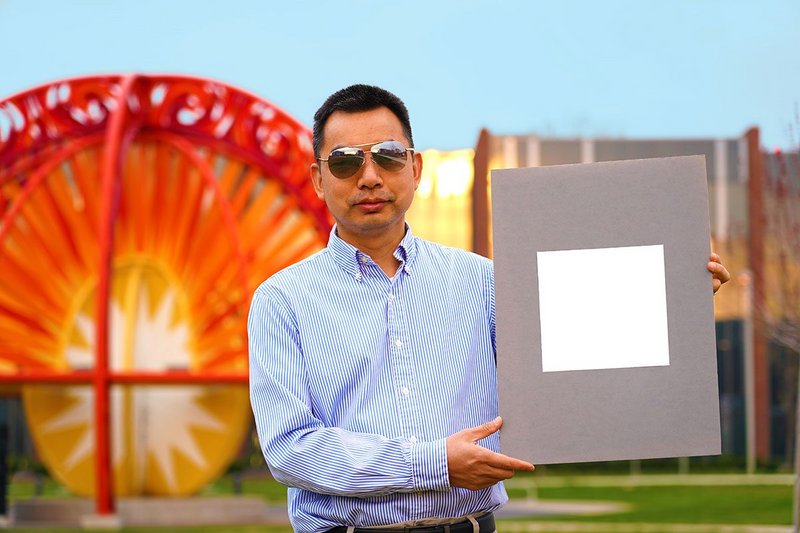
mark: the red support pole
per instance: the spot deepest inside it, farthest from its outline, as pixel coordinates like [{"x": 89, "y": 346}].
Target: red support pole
[
  {"x": 756, "y": 252},
  {"x": 109, "y": 178},
  {"x": 480, "y": 195}
]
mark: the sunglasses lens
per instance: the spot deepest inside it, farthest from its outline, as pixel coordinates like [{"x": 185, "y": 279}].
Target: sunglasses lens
[
  {"x": 390, "y": 155},
  {"x": 346, "y": 162}
]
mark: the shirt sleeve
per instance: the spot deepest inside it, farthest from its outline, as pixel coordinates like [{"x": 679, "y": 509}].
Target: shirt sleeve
[{"x": 300, "y": 450}]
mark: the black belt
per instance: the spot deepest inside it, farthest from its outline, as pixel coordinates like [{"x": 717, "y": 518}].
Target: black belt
[{"x": 486, "y": 523}]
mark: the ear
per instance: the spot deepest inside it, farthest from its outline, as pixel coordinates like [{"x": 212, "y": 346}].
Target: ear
[
  {"x": 417, "y": 169},
  {"x": 316, "y": 180}
]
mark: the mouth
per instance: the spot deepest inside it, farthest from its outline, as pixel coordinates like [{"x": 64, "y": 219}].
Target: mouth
[
  {"x": 371, "y": 204},
  {"x": 372, "y": 201}
]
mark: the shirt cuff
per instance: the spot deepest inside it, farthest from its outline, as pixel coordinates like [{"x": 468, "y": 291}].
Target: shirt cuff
[{"x": 429, "y": 465}]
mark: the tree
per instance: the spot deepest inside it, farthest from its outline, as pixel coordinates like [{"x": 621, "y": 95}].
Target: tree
[{"x": 780, "y": 311}]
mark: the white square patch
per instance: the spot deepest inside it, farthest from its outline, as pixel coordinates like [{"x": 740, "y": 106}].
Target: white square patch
[{"x": 603, "y": 308}]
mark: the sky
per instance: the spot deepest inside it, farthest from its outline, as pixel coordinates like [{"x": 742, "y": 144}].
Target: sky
[{"x": 634, "y": 69}]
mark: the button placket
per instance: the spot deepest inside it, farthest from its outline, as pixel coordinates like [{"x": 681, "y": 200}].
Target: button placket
[{"x": 402, "y": 362}]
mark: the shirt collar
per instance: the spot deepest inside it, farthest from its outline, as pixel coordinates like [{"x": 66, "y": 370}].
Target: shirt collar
[{"x": 350, "y": 259}]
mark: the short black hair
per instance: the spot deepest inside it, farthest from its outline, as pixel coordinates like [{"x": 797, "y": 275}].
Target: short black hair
[{"x": 354, "y": 99}]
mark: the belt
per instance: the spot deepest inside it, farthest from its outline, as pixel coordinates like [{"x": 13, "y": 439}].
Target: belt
[{"x": 486, "y": 523}]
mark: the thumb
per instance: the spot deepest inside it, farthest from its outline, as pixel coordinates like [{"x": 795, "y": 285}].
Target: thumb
[{"x": 484, "y": 430}]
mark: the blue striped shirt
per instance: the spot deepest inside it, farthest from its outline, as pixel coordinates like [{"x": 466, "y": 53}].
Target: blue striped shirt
[{"x": 356, "y": 380}]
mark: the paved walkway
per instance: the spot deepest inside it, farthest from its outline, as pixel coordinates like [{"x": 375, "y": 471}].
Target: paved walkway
[
  {"x": 149, "y": 512},
  {"x": 74, "y": 512},
  {"x": 532, "y": 507}
]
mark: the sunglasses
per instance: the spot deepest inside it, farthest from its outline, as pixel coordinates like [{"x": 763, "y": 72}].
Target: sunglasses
[{"x": 346, "y": 161}]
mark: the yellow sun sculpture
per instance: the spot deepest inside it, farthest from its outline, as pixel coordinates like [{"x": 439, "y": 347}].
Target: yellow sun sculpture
[{"x": 209, "y": 197}]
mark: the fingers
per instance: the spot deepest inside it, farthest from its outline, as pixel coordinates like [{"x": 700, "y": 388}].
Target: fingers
[
  {"x": 500, "y": 461},
  {"x": 719, "y": 270},
  {"x": 500, "y": 474},
  {"x": 484, "y": 430},
  {"x": 504, "y": 462},
  {"x": 721, "y": 274},
  {"x": 486, "y": 469},
  {"x": 472, "y": 466},
  {"x": 497, "y": 460},
  {"x": 724, "y": 275},
  {"x": 491, "y": 475}
]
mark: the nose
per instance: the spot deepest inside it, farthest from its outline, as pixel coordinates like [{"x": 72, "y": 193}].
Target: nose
[{"x": 369, "y": 177}]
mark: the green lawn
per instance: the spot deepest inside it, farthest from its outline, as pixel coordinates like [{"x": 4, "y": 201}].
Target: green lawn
[
  {"x": 269, "y": 489},
  {"x": 18, "y": 490},
  {"x": 768, "y": 504},
  {"x": 687, "y": 505}
]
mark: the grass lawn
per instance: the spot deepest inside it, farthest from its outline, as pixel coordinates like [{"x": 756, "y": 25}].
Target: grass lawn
[
  {"x": 26, "y": 488},
  {"x": 768, "y": 504},
  {"x": 688, "y": 505}
]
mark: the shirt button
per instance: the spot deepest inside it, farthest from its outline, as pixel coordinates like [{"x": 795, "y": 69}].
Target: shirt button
[
  {"x": 364, "y": 259},
  {"x": 398, "y": 343},
  {"x": 391, "y": 297},
  {"x": 358, "y": 275},
  {"x": 405, "y": 391},
  {"x": 413, "y": 439}
]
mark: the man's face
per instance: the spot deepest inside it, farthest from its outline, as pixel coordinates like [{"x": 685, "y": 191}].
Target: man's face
[{"x": 373, "y": 201}]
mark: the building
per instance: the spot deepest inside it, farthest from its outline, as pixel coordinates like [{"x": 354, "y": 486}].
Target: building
[{"x": 759, "y": 250}]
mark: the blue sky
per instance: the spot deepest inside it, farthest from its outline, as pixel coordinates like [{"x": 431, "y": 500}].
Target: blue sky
[{"x": 702, "y": 68}]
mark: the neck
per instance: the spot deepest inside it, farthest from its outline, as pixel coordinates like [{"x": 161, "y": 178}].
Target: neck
[{"x": 380, "y": 247}]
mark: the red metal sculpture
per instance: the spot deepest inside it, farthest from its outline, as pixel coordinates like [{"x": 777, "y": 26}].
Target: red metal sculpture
[{"x": 160, "y": 202}]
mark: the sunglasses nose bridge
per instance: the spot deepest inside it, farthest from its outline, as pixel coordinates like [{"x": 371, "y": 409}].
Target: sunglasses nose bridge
[{"x": 369, "y": 173}]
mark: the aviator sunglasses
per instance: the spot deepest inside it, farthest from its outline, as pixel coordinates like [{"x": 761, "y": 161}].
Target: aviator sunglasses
[{"x": 346, "y": 161}]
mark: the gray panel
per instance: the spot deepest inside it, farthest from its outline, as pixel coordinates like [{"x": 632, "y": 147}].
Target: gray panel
[
  {"x": 739, "y": 210},
  {"x": 615, "y": 150},
  {"x": 560, "y": 152},
  {"x": 598, "y": 415},
  {"x": 734, "y": 173}
]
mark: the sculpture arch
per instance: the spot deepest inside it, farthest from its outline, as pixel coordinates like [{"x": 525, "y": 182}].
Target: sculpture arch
[{"x": 137, "y": 215}]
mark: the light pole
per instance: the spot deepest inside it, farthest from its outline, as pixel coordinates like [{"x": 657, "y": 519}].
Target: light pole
[{"x": 745, "y": 279}]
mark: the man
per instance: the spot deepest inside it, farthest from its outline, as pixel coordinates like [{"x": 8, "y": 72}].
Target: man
[{"x": 372, "y": 363}]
